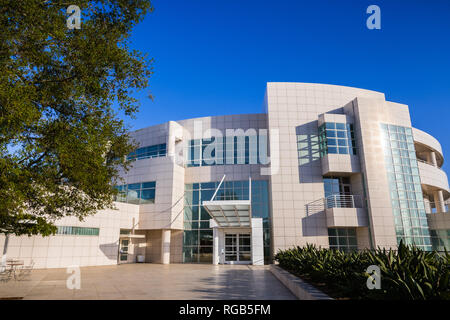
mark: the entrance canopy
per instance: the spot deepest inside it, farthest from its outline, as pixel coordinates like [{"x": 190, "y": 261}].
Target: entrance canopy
[{"x": 230, "y": 213}]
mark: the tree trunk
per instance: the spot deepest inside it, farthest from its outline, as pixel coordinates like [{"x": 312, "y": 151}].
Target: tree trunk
[{"x": 5, "y": 250}]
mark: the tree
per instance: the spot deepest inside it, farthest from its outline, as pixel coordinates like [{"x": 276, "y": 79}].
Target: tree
[{"x": 61, "y": 142}]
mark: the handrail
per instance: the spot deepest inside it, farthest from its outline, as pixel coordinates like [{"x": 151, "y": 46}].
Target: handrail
[
  {"x": 429, "y": 163},
  {"x": 343, "y": 201},
  {"x": 335, "y": 201},
  {"x": 425, "y": 161},
  {"x": 431, "y": 207}
]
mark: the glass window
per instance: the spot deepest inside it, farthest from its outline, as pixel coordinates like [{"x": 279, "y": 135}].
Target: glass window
[
  {"x": 133, "y": 196},
  {"x": 342, "y": 239},
  {"x": 331, "y": 142},
  {"x": 340, "y": 126},
  {"x": 80, "y": 231},
  {"x": 344, "y": 144},
  {"x": 134, "y": 186},
  {"x": 146, "y": 185},
  {"x": 158, "y": 150},
  {"x": 331, "y": 133},
  {"x": 148, "y": 196},
  {"x": 406, "y": 191},
  {"x": 137, "y": 193},
  {"x": 332, "y": 150}
]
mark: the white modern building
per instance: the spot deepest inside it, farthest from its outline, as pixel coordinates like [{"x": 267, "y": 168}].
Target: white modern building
[{"x": 336, "y": 166}]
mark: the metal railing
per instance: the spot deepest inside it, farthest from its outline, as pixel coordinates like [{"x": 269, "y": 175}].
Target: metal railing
[
  {"x": 343, "y": 201},
  {"x": 437, "y": 207},
  {"x": 429, "y": 163},
  {"x": 426, "y": 162},
  {"x": 335, "y": 201}
]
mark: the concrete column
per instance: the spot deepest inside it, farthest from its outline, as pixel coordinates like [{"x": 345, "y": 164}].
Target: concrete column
[
  {"x": 427, "y": 205},
  {"x": 215, "y": 246},
  {"x": 428, "y": 156},
  {"x": 433, "y": 158},
  {"x": 439, "y": 201},
  {"x": 174, "y": 136},
  {"x": 257, "y": 242},
  {"x": 5, "y": 250},
  {"x": 165, "y": 246},
  {"x": 221, "y": 233}
]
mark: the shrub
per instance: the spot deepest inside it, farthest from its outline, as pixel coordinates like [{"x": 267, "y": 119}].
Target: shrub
[{"x": 406, "y": 273}]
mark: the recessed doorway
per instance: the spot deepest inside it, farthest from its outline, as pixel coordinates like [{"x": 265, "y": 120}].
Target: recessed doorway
[{"x": 238, "y": 248}]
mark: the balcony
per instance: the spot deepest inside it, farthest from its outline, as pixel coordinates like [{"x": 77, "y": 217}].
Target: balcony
[
  {"x": 437, "y": 207},
  {"x": 427, "y": 162},
  {"x": 345, "y": 211},
  {"x": 424, "y": 143},
  {"x": 343, "y": 201},
  {"x": 433, "y": 178},
  {"x": 439, "y": 221},
  {"x": 341, "y": 210}
]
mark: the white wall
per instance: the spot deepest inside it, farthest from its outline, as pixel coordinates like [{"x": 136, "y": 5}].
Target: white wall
[{"x": 64, "y": 250}]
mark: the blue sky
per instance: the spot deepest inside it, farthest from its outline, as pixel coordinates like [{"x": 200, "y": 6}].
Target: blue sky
[{"x": 214, "y": 57}]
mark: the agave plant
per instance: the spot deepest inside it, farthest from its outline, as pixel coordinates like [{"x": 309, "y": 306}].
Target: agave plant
[{"x": 406, "y": 273}]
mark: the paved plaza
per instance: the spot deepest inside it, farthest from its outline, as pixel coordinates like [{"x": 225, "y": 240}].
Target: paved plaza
[{"x": 151, "y": 281}]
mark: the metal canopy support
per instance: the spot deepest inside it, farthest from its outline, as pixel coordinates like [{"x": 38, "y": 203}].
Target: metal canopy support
[{"x": 218, "y": 187}]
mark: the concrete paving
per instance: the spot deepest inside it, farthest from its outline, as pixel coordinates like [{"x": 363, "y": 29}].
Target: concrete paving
[{"x": 152, "y": 281}]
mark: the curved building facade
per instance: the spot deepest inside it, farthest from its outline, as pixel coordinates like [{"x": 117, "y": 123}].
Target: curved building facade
[{"x": 335, "y": 166}]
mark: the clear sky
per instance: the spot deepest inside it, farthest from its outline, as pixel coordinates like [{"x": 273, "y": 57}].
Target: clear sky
[{"x": 214, "y": 57}]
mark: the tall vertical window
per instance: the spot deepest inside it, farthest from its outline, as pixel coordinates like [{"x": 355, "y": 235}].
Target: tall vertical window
[
  {"x": 337, "y": 138},
  {"x": 411, "y": 223},
  {"x": 158, "y": 150},
  {"x": 137, "y": 193},
  {"x": 197, "y": 238}
]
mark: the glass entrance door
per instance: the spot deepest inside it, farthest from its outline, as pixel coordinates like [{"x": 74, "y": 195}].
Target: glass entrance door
[
  {"x": 237, "y": 248},
  {"x": 123, "y": 250},
  {"x": 244, "y": 249}
]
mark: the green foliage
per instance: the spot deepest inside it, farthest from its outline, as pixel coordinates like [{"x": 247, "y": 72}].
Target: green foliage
[
  {"x": 407, "y": 273},
  {"x": 61, "y": 141}
]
